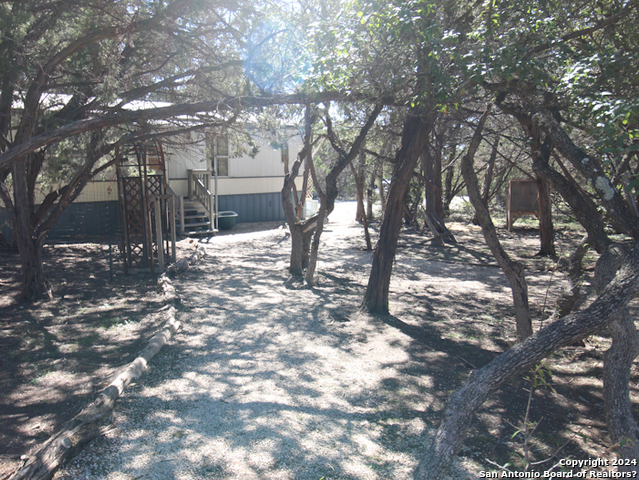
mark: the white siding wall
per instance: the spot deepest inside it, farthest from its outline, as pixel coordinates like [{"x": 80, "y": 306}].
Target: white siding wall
[
  {"x": 262, "y": 174},
  {"x": 108, "y": 191},
  {"x": 93, "y": 192},
  {"x": 267, "y": 163},
  {"x": 185, "y": 157}
]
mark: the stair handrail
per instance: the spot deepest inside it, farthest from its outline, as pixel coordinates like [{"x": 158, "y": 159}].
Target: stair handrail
[
  {"x": 178, "y": 207},
  {"x": 199, "y": 189}
]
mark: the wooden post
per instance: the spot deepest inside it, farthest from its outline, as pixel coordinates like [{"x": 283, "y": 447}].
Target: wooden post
[
  {"x": 158, "y": 233},
  {"x": 172, "y": 220},
  {"x": 182, "y": 230},
  {"x": 190, "y": 184},
  {"x": 126, "y": 254}
]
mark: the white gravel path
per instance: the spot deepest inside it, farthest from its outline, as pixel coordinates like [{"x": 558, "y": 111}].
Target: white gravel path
[{"x": 270, "y": 381}]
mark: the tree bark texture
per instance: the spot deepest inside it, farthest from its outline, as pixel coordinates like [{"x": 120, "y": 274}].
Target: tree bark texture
[
  {"x": 590, "y": 167},
  {"x": 85, "y": 426},
  {"x": 546, "y": 228},
  {"x": 432, "y": 168},
  {"x": 618, "y": 361},
  {"x": 296, "y": 263},
  {"x": 464, "y": 403},
  {"x": 572, "y": 293},
  {"x": 541, "y": 154},
  {"x": 513, "y": 270},
  {"x": 584, "y": 209},
  {"x": 417, "y": 126},
  {"x": 300, "y": 231},
  {"x": 29, "y": 240},
  {"x": 314, "y": 246}
]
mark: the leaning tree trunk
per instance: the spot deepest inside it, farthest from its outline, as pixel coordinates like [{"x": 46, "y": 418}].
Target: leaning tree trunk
[
  {"x": 465, "y": 402},
  {"x": 618, "y": 361},
  {"x": 514, "y": 271},
  {"x": 329, "y": 196},
  {"x": 414, "y": 137},
  {"x": 590, "y": 166},
  {"x": 314, "y": 247},
  {"x": 488, "y": 178},
  {"x": 584, "y": 209}
]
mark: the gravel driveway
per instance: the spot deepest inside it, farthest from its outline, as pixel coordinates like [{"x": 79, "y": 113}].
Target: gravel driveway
[{"x": 267, "y": 380}]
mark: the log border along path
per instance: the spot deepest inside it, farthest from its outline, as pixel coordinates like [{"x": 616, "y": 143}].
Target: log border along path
[{"x": 92, "y": 421}]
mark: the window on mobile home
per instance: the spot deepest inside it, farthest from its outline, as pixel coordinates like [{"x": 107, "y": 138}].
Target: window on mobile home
[{"x": 217, "y": 147}]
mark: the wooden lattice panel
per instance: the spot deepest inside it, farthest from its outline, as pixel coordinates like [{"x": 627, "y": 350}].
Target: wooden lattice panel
[
  {"x": 141, "y": 171},
  {"x": 134, "y": 216}
]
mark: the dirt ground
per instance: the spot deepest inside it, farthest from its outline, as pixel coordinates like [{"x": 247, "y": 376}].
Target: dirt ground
[{"x": 271, "y": 380}]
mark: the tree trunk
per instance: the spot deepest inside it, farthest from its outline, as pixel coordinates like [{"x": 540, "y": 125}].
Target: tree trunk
[
  {"x": 361, "y": 214},
  {"x": 464, "y": 403},
  {"x": 584, "y": 209},
  {"x": 546, "y": 228},
  {"x": 358, "y": 176},
  {"x": 314, "y": 246},
  {"x": 572, "y": 293},
  {"x": 432, "y": 168},
  {"x": 590, "y": 167},
  {"x": 513, "y": 270},
  {"x": 541, "y": 154},
  {"x": 30, "y": 225},
  {"x": 488, "y": 178},
  {"x": 414, "y": 137},
  {"x": 328, "y": 197},
  {"x": 448, "y": 189},
  {"x": 300, "y": 236},
  {"x": 297, "y": 241},
  {"x": 370, "y": 190},
  {"x": 34, "y": 284},
  {"x": 618, "y": 361}
]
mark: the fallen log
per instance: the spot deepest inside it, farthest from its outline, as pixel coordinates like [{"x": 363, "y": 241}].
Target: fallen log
[
  {"x": 43, "y": 463},
  {"x": 464, "y": 403},
  {"x": 164, "y": 281}
]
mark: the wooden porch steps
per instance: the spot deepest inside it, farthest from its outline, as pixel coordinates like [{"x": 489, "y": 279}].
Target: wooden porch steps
[{"x": 196, "y": 220}]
